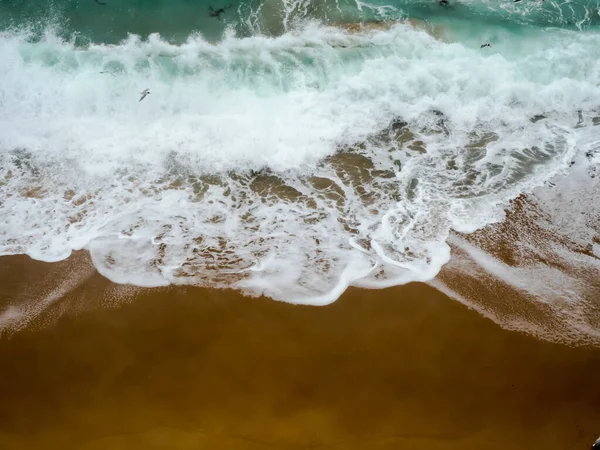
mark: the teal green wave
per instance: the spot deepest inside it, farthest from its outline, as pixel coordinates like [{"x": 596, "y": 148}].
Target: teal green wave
[{"x": 110, "y": 21}]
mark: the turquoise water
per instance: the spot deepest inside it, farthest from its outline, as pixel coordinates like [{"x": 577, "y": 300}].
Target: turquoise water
[
  {"x": 281, "y": 151},
  {"x": 175, "y": 20}
]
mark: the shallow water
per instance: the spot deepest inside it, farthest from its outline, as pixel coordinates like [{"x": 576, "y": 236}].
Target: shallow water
[{"x": 281, "y": 151}]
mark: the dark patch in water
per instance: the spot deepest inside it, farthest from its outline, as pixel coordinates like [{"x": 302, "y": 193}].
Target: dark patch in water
[{"x": 212, "y": 12}]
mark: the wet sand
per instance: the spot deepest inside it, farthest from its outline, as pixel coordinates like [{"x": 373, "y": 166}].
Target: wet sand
[{"x": 189, "y": 368}]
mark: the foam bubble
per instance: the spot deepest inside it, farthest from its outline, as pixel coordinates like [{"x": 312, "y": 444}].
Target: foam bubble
[{"x": 291, "y": 167}]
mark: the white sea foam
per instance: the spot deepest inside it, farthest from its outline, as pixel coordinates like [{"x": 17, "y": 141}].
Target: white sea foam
[
  {"x": 161, "y": 192},
  {"x": 538, "y": 273}
]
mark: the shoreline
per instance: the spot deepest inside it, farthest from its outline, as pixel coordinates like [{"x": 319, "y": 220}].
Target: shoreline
[{"x": 509, "y": 272}]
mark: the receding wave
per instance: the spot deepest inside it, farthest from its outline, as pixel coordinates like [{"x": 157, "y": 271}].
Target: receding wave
[{"x": 292, "y": 165}]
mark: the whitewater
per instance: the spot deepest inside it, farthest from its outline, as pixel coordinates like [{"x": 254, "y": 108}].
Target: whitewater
[{"x": 287, "y": 151}]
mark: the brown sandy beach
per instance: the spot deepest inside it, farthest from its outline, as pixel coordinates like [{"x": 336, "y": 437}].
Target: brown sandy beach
[
  {"x": 112, "y": 367},
  {"x": 298, "y": 154}
]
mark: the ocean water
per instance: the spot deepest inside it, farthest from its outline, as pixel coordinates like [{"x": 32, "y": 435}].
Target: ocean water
[{"x": 285, "y": 150}]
